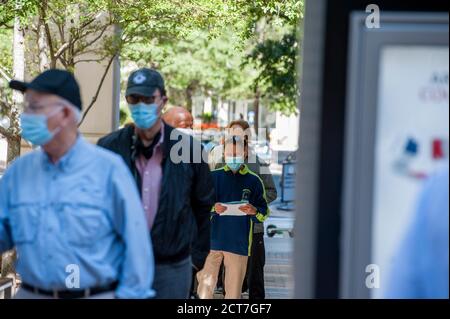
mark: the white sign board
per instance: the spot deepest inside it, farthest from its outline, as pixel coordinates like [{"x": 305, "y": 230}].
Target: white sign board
[{"x": 411, "y": 140}]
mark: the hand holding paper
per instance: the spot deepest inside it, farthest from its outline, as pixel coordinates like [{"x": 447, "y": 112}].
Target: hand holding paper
[
  {"x": 219, "y": 208},
  {"x": 235, "y": 209},
  {"x": 248, "y": 209}
]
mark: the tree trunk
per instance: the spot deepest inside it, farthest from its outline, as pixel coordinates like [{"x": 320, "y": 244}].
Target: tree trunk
[
  {"x": 13, "y": 139},
  {"x": 13, "y": 150},
  {"x": 18, "y": 59},
  {"x": 42, "y": 45},
  {"x": 256, "y": 102},
  {"x": 189, "y": 93},
  {"x": 260, "y": 33},
  {"x": 7, "y": 261}
]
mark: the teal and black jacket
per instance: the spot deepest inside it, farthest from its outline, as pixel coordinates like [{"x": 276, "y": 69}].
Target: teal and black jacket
[{"x": 234, "y": 233}]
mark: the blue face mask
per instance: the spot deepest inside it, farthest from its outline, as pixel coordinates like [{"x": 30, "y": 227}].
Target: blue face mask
[
  {"x": 144, "y": 115},
  {"x": 234, "y": 163},
  {"x": 34, "y": 128}
]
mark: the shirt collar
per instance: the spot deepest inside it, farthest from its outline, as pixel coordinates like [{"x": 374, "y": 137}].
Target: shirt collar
[
  {"x": 161, "y": 138},
  {"x": 244, "y": 169},
  {"x": 69, "y": 159},
  {"x": 158, "y": 144}
]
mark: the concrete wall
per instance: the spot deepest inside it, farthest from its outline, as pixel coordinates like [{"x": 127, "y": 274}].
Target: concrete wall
[{"x": 104, "y": 115}]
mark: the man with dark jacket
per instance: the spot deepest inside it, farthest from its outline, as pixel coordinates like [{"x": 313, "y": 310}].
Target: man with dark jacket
[
  {"x": 177, "y": 195},
  {"x": 181, "y": 119}
]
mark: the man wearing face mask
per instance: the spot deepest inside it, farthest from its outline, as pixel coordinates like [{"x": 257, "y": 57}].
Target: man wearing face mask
[
  {"x": 177, "y": 196},
  {"x": 70, "y": 208},
  {"x": 181, "y": 119}
]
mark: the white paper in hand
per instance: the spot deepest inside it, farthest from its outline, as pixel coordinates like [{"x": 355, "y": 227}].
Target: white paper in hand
[{"x": 233, "y": 209}]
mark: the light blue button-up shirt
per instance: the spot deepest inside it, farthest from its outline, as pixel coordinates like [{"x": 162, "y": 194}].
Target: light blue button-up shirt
[{"x": 82, "y": 213}]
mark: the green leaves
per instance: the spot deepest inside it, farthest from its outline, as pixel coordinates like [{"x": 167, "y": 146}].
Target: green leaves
[
  {"x": 214, "y": 48},
  {"x": 209, "y": 47},
  {"x": 22, "y": 9},
  {"x": 6, "y": 50},
  {"x": 276, "y": 61},
  {"x": 198, "y": 63},
  {"x": 275, "y": 52}
]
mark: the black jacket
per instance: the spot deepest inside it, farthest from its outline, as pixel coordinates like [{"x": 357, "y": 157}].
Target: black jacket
[{"x": 185, "y": 202}]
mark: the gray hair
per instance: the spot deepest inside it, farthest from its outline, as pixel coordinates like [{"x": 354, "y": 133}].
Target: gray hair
[{"x": 75, "y": 110}]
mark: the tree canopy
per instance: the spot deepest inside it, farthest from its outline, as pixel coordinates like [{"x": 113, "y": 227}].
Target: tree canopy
[{"x": 225, "y": 49}]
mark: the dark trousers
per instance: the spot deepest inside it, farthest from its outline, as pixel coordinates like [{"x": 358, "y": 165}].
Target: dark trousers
[
  {"x": 255, "y": 268},
  {"x": 173, "y": 281}
]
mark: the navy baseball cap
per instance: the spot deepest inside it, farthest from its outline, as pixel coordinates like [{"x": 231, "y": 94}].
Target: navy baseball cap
[
  {"x": 144, "y": 82},
  {"x": 58, "y": 82}
]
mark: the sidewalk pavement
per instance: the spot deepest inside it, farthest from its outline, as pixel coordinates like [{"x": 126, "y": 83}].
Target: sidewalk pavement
[{"x": 279, "y": 249}]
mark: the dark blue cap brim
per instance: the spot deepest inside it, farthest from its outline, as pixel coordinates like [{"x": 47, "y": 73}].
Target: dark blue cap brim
[
  {"x": 23, "y": 86},
  {"x": 141, "y": 90},
  {"x": 18, "y": 85}
]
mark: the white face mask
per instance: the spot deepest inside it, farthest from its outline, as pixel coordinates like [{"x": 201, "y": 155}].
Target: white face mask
[
  {"x": 187, "y": 131},
  {"x": 234, "y": 162}
]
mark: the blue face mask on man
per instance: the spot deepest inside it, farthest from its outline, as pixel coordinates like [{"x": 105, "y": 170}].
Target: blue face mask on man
[
  {"x": 234, "y": 162},
  {"x": 144, "y": 115},
  {"x": 35, "y": 129}
]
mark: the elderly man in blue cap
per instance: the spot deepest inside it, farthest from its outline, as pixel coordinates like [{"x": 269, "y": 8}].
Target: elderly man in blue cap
[{"x": 71, "y": 209}]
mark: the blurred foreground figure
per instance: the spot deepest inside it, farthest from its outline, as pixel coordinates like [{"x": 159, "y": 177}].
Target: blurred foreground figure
[
  {"x": 420, "y": 269},
  {"x": 70, "y": 208}
]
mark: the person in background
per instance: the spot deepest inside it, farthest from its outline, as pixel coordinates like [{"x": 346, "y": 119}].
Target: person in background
[
  {"x": 231, "y": 236},
  {"x": 71, "y": 209},
  {"x": 177, "y": 196},
  {"x": 256, "y": 262},
  {"x": 180, "y": 118},
  {"x": 420, "y": 268}
]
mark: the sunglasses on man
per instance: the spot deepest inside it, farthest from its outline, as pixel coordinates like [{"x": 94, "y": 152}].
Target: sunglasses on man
[{"x": 135, "y": 99}]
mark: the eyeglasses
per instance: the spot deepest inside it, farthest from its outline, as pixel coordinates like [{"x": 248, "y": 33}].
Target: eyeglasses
[
  {"x": 37, "y": 108},
  {"x": 235, "y": 139},
  {"x": 135, "y": 99}
]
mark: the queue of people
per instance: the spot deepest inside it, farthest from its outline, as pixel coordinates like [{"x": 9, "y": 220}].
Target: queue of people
[{"x": 126, "y": 218}]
